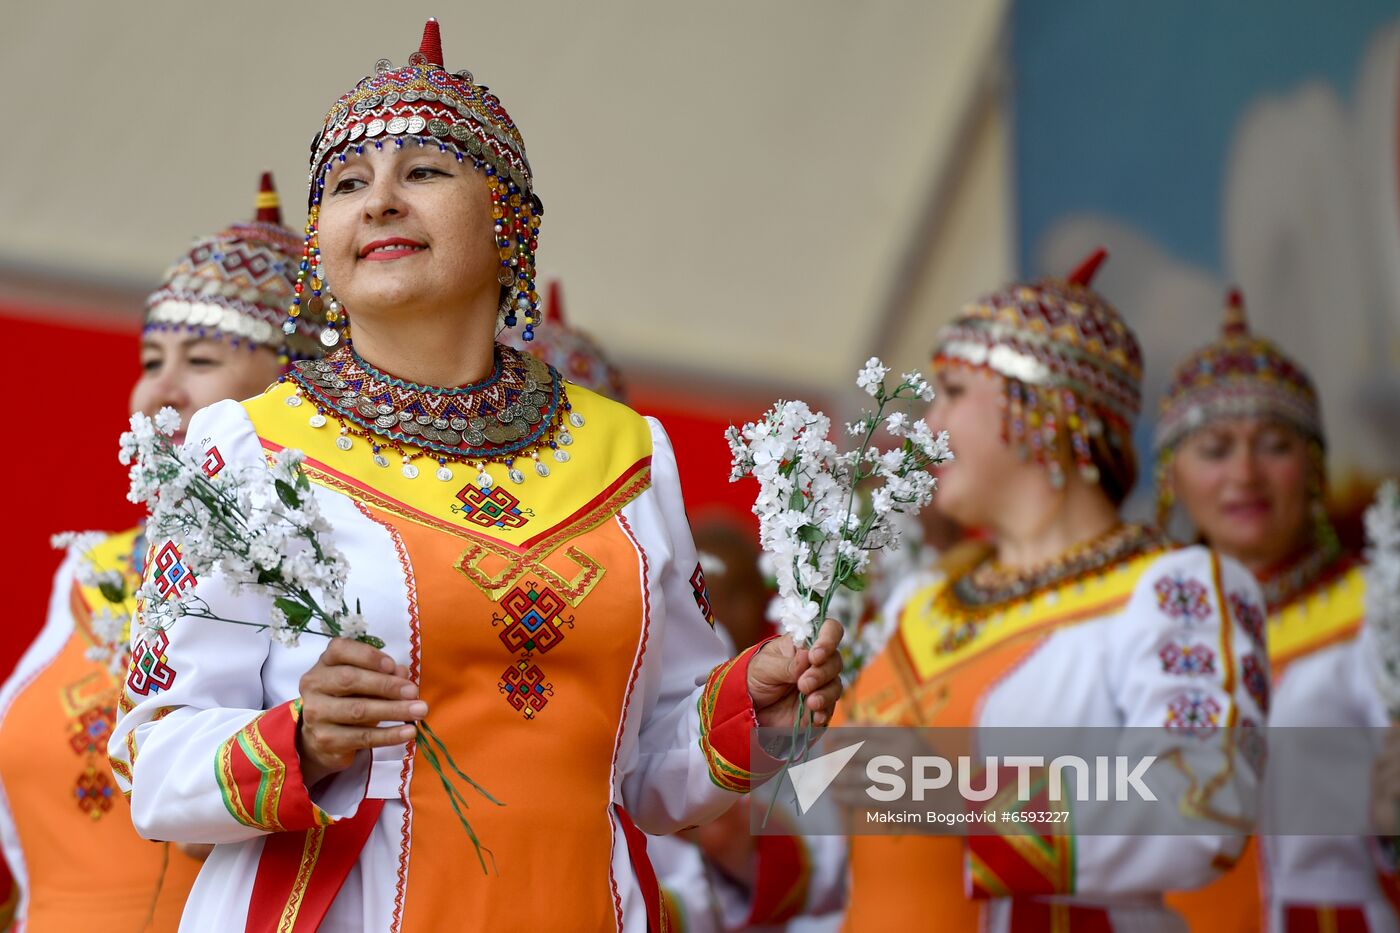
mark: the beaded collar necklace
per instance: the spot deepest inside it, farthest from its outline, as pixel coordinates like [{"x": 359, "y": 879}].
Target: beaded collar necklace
[
  {"x": 965, "y": 606},
  {"x": 1293, "y": 579},
  {"x": 519, "y": 412},
  {"x": 990, "y": 585}
]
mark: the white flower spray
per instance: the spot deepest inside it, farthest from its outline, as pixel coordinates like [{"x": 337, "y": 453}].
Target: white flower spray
[
  {"x": 1382, "y": 575},
  {"x": 259, "y": 528},
  {"x": 815, "y": 537},
  {"x": 111, "y": 621}
]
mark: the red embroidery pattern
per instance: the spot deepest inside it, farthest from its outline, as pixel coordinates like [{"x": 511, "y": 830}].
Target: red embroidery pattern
[
  {"x": 702, "y": 594},
  {"x": 1181, "y": 598},
  {"x": 171, "y": 575},
  {"x": 532, "y": 619},
  {"x": 1195, "y": 712},
  {"x": 493, "y": 508},
  {"x": 1186, "y": 660},
  {"x": 94, "y": 792},
  {"x": 1250, "y": 741},
  {"x": 150, "y": 672},
  {"x": 525, "y": 688},
  {"x": 1256, "y": 680},
  {"x": 88, "y": 734},
  {"x": 213, "y": 462},
  {"x": 1249, "y": 616}
]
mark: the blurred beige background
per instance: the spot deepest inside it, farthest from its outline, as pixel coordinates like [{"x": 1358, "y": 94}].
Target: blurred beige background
[{"x": 762, "y": 192}]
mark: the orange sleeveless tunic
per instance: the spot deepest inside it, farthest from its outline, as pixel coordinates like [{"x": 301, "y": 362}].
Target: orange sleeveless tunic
[
  {"x": 914, "y": 882},
  {"x": 461, "y": 660},
  {"x": 84, "y": 867}
]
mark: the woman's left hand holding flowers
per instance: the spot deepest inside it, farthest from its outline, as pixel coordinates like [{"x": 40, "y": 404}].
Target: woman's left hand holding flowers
[{"x": 782, "y": 669}]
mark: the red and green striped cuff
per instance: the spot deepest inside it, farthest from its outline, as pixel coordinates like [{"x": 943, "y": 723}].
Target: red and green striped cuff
[
  {"x": 727, "y": 723},
  {"x": 259, "y": 774}
]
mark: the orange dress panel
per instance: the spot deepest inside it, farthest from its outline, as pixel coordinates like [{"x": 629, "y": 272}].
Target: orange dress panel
[
  {"x": 85, "y": 867},
  {"x": 552, "y": 771},
  {"x": 912, "y": 882}
]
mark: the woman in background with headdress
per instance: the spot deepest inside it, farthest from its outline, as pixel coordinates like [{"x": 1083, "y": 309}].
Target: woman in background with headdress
[
  {"x": 519, "y": 545},
  {"x": 1240, "y": 446},
  {"x": 1074, "y": 618},
  {"x": 213, "y": 331}
]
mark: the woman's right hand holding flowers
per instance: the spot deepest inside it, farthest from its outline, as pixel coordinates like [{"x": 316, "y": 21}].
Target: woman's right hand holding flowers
[{"x": 350, "y": 691}]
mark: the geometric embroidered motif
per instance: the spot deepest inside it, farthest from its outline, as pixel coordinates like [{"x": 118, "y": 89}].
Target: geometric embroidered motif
[
  {"x": 170, "y": 572},
  {"x": 1195, "y": 712},
  {"x": 494, "y": 509},
  {"x": 149, "y": 671},
  {"x": 94, "y": 792},
  {"x": 213, "y": 462},
  {"x": 1186, "y": 659},
  {"x": 533, "y": 620},
  {"x": 1250, "y": 741},
  {"x": 531, "y": 616},
  {"x": 1256, "y": 680},
  {"x": 525, "y": 688},
  {"x": 496, "y": 570},
  {"x": 702, "y": 594},
  {"x": 1181, "y": 598},
  {"x": 88, "y": 734},
  {"x": 1248, "y": 616}
]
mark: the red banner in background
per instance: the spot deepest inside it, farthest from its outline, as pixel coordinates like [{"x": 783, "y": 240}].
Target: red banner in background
[{"x": 61, "y": 471}]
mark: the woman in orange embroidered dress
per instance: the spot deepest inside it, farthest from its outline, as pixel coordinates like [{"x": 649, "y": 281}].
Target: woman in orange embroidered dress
[
  {"x": 1072, "y": 618},
  {"x": 212, "y": 331},
  {"x": 518, "y": 543}
]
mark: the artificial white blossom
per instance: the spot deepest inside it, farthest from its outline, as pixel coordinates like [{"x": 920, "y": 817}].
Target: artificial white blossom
[
  {"x": 919, "y": 385},
  {"x": 1382, "y": 575},
  {"x": 258, "y": 526},
  {"x": 815, "y": 534},
  {"x": 897, "y": 423},
  {"x": 872, "y": 376}
]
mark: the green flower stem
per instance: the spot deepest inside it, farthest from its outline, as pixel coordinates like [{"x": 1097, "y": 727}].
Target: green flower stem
[{"x": 454, "y": 796}]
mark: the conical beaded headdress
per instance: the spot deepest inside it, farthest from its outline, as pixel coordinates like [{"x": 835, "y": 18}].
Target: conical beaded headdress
[{"x": 422, "y": 104}]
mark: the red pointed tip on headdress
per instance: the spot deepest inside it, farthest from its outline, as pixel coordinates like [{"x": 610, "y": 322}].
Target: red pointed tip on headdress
[
  {"x": 1084, "y": 272},
  {"x": 1235, "y": 324},
  {"x": 269, "y": 207},
  {"x": 554, "y": 306},
  {"x": 431, "y": 46}
]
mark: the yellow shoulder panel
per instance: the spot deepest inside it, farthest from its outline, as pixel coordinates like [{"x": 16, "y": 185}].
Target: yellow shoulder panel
[
  {"x": 609, "y": 461},
  {"x": 938, "y": 637},
  {"x": 1330, "y": 614},
  {"x": 115, "y": 553}
]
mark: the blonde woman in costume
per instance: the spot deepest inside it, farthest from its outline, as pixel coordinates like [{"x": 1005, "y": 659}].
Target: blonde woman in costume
[
  {"x": 519, "y": 544},
  {"x": 1241, "y": 449},
  {"x": 1073, "y": 618},
  {"x": 212, "y": 331}
]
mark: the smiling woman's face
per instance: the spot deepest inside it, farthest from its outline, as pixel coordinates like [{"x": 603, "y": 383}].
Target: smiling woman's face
[{"x": 408, "y": 232}]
